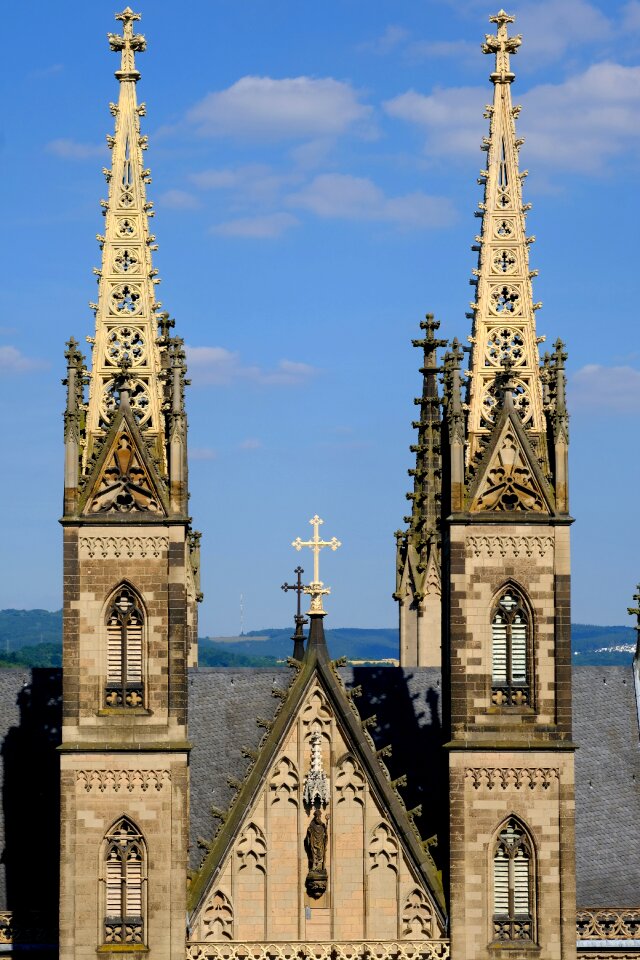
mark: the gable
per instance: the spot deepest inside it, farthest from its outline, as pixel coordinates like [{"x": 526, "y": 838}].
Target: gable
[
  {"x": 269, "y": 885},
  {"x": 123, "y": 481},
  {"x": 509, "y": 478}
]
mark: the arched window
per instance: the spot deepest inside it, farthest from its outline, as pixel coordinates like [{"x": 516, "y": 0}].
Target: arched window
[
  {"x": 124, "y": 871},
  {"x": 513, "y": 884},
  {"x": 125, "y": 624},
  {"x": 511, "y": 658}
]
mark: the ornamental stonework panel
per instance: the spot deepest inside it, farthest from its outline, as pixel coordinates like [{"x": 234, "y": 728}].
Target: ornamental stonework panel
[
  {"x": 510, "y": 546},
  {"x": 115, "y": 781},
  {"x": 133, "y": 548},
  {"x": 502, "y": 778}
]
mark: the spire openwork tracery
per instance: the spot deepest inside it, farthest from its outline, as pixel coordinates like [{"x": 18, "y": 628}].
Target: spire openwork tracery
[
  {"x": 503, "y": 311},
  {"x": 127, "y": 310}
]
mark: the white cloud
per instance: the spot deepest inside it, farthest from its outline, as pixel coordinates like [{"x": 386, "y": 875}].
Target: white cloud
[
  {"x": 203, "y": 453},
  {"x": 251, "y": 443},
  {"x": 217, "y": 366},
  {"x": 255, "y": 181},
  {"x": 72, "y": 150},
  {"x": 458, "y": 50},
  {"x": 597, "y": 387},
  {"x": 393, "y": 37},
  {"x": 266, "y": 109},
  {"x": 345, "y": 197},
  {"x": 13, "y": 360},
  {"x": 267, "y": 227},
  {"x": 576, "y": 125},
  {"x": 178, "y": 200},
  {"x": 631, "y": 17},
  {"x": 550, "y": 29}
]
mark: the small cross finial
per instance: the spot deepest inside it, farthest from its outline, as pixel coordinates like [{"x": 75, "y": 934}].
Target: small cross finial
[
  {"x": 300, "y": 620},
  {"x": 502, "y": 45},
  {"x": 635, "y": 612},
  {"x": 316, "y": 589},
  {"x": 128, "y": 43}
]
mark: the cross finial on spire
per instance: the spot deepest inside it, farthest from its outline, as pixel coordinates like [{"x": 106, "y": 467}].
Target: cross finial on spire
[
  {"x": 316, "y": 589},
  {"x": 635, "y": 611},
  {"x": 128, "y": 43},
  {"x": 502, "y": 45}
]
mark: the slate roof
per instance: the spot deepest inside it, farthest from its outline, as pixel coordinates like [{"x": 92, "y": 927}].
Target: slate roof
[
  {"x": 224, "y": 704},
  {"x": 608, "y": 787}
]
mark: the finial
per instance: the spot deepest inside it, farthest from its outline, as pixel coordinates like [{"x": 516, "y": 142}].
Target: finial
[
  {"x": 635, "y": 611},
  {"x": 504, "y": 381},
  {"x": 123, "y": 382},
  {"x": 299, "y": 619},
  {"x": 316, "y": 589},
  {"x": 502, "y": 45},
  {"x": 128, "y": 44}
]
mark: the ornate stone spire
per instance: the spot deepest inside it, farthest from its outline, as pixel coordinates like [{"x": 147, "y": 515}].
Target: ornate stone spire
[
  {"x": 422, "y": 533},
  {"x": 418, "y": 547},
  {"x": 126, "y": 310},
  {"x": 503, "y": 310}
]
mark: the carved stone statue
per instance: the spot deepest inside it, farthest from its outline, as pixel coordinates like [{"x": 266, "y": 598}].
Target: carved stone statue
[{"x": 315, "y": 844}]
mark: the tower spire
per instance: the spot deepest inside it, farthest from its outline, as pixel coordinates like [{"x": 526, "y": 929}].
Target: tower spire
[
  {"x": 418, "y": 548},
  {"x": 503, "y": 310},
  {"x": 423, "y": 521},
  {"x": 126, "y": 310}
]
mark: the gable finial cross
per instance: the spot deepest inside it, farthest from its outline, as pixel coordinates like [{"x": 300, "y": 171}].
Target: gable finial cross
[
  {"x": 635, "y": 611},
  {"x": 502, "y": 45},
  {"x": 316, "y": 589},
  {"x": 128, "y": 43}
]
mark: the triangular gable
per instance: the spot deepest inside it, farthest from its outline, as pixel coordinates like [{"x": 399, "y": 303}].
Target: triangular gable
[
  {"x": 124, "y": 479},
  {"x": 509, "y": 478},
  {"x": 262, "y": 841}
]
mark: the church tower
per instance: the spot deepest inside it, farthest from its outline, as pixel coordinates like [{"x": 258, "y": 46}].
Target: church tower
[
  {"x": 130, "y": 586},
  {"x": 497, "y": 523}
]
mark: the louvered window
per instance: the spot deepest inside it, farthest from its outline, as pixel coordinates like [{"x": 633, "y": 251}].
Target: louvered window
[
  {"x": 124, "y": 884},
  {"x": 510, "y": 633},
  {"x": 513, "y": 885},
  {"x": 125, "y": 625}
]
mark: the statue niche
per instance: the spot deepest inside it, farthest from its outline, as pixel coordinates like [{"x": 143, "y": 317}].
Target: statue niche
[
  {"x": 315, "y": 844},
  {"x": 316, "y": 797}
]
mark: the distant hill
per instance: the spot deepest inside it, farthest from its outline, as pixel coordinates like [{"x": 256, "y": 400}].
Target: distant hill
[{"x": 34, "y": 638}]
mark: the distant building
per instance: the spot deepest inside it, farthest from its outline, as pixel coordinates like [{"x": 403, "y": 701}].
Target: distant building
[{"x": 315, "y": 811}]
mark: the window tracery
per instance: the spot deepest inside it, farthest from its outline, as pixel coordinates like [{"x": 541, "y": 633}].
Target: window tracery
[
  {"x": 511, "y": 654},
  {"x": 124, "y": 875},
  {"x": 125, "y": 625},
  {"x": 513, "y": 886},
  {"x": 139, "y": 402},
  {"x": 505, "y": 343},
  {"x": 126, "y": 344}
]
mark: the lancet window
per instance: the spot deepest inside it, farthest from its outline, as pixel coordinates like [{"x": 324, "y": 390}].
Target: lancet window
[
  {"x": 511, "y": 654},
  {"x": 124, "y": 884},
  {"x": 513, "y": 884},
  {"x": 125, "y": 651}
]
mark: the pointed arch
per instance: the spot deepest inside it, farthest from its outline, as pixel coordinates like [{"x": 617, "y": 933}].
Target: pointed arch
[
  {"x": 511, "y": 647},
  {"x": 123, "y": 881},
  {"x": 125, "y": 624},
  {"x": 513, "y": 882}
]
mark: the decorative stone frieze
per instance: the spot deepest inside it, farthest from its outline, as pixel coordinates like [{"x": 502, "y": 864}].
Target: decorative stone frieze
[
  {"x": 518, "y": 777},
  {"x": 349, "y": 950},
  {"x": 610, "y": 924},
  {"x": 115, "y": 780},
  {"x": 112, "y": 548},
  {"x": 510, "y": 546}
]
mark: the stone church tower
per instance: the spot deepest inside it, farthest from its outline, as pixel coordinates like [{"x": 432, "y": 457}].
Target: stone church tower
[
  {"x": 483, "y": 581},
  {"x": 130, "y": 587}
]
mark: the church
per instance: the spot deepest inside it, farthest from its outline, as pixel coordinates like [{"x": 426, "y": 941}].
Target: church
[{"x": 481, "y": 800}]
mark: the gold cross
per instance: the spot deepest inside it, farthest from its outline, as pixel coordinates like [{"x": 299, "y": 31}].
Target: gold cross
[
  {"x": 502, "y": 45},
  {"x": 128, "y": 44},
  {"x": 316, "y": 589}
]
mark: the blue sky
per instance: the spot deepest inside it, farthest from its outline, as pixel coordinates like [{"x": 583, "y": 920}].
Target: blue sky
[{"x": 314, "y": 175}]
